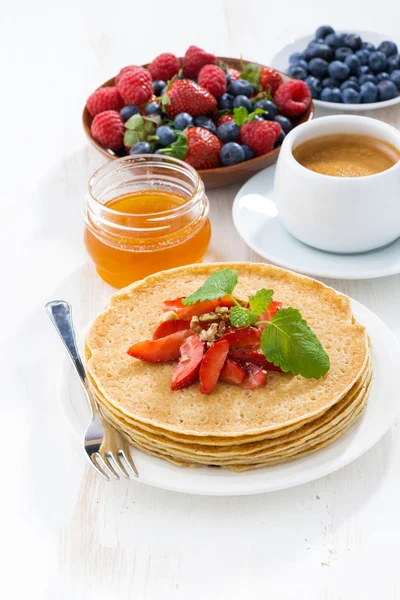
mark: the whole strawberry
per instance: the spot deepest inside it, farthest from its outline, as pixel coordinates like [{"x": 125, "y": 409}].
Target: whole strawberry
[
  {"x": 225, "y": 119},
  {"x": 260, "y": 135},
  {"x": 106, "y": 98},
  {"x": 108, "y": 128},
  {"x": 203, "y": 148},
  {"x": 164, "y": 66},
  {"x": 213, "y": 79},
  {"x": 195, "y": 58},
  {"x": 293, "y": 98},
  {"x": 135, "y": 86},
  {"x": 270, "y": 80},
  {"x": 184, "y": 95},
  {"x": 233, "y": 74}
]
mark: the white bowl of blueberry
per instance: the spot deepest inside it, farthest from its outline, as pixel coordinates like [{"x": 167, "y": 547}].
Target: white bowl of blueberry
[{"x": 345, "y": 71}]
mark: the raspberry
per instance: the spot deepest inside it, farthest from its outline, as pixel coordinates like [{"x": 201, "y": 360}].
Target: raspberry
[
  {"x": 260, "y": 135},
  {"x": 135, "y": 86},
  {"x": 212, "y": 78},
  {"x": 107, "y": 98},
  {"x": 124, "y": 70},
  {"x": 270, "y": 80},
  {"x": 195, "y": 58},
  {"x": 108, "y": 128},
  {"x": 234, "y": 74},
  {"x": 164, "y": 67},
  {"x": 225, "y": 119},
  {"x": 293, "y": 98}
]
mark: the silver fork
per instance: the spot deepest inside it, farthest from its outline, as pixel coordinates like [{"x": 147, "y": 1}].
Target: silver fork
[{"x": 106, "y": 448}]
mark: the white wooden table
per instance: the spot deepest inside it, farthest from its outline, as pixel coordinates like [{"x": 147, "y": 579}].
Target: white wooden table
[{"x": 65, "y": 533}]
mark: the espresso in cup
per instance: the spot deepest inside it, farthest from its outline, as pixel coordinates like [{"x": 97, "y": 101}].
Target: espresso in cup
[{"x": 346, "y": 155}]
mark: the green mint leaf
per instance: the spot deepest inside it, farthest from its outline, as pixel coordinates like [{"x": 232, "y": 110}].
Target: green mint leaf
[
  {"x": 289, "y": 343},
  {"x": 260, "y": 301},
  {"x": 252, "y": 74},
  {"x": 258, "y": 111},
  {"x": 241, "y": 317},
  {"x": 132, "y": 137},
  {"x": 135, "y": 123},
  {"x": 240, "y": 115},
  {"x": 219, "y": 284}
]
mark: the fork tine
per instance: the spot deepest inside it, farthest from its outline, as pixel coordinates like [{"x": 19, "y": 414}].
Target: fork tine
[
  {"x": 114, "y": 463},
  {"x": 97, "y": 467},
  {"x": 120, "y": 465},
  {"x": 128, "y": 459},
  {"x": 105, "y": 466}
]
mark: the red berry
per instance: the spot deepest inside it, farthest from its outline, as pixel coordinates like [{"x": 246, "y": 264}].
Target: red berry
[
  {"x": 135, "y": 86},
  {"x": 108, "y": 128},
  {"x": 270, "y": 80},
  {"x": 203, "y": 148},
  {"x": 124, "y": 70},
  {"x": 225, "y": 119},
  {"x": 187, "y": 96},
  {"x": 260, "y": 135},
  {"x": 293, "y": 98},
  {"x": 213, "y": 79},
  {"x": 195, "y": 58},
  {"x": 234, "y": 74},
  {"x": 106, "y": 98},
  {"x": 164, "y": 67}
]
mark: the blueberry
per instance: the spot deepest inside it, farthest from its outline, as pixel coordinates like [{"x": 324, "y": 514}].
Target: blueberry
[
  {"x": 353, "y": 41},
  {"x": 388, "y": 48},
  {"x": 368, "y": 46},
  {"x": 369, "y": 92},
  {"x": 248, "y": 152},
  {"x": 182, "y": 121},
  {"x": 295, "y": 58},
  {"x": 318, "y": 51},
  {"x": 279, "y": 139},
  {"x": 323, "y": 31},
  {"x": 350, "y": 84},
  {"x": 284, "y": 122},
  {"x": 225, "y": 102},
  {"x": 382, "y": 76},
  {"x": 318, "y": 67},
  {"x": 140, "y": 148},
  {"x": 304, "y": 64},
  {"x": 364, "y": 70},
  {"x": 387, "y": 90},
  {"x": 363, "y": 56},
  {"x": 395, "y": 77},
  {"x": 339, "y": 70},
  {"x": 269, "y": 107},
  {"x": 377, "y": 62},
  {"x": 330, "y": 82},
  {"x": 165, "y": 135},
  {"x": 353, "y": 62},
  {"x": 241, "y": 86},
  {"x": 228, "y": 78},
  {"x": 331, "y": 95},
  {"x": 334, "y": 40},
  {"x": 128, "y": 111},
  {"x": 393, "y": 63},
  {"x": 341, "y": 53},
  {"x": 242, "y": 101},
  {"x": 365, "y": 78},
  {"x": 298, "y": 72},
  {"x": 232, "y": 153},
  {"x": 228, "y": 132},
  {"x": 314, "y": 85},
  {"x": 205, "y": 123},
  {"x": 159, "y": 87},
  {"x": 152, "y": 108},
  {"x": 353, "y": 78},
  {"x": 350, "y": 96}
]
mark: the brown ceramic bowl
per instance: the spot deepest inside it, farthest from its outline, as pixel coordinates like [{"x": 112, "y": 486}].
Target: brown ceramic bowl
[{"x": 222, "y": 175}]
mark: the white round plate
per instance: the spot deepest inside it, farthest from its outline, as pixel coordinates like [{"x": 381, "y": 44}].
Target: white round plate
[
  {"x": 281, "y": 62},
  {"x": 378, "y": 416},
  {"x": 256, "y": 219}
]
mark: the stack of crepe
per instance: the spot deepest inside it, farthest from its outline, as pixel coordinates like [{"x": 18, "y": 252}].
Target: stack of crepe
[{"x": 233, "y": 427}]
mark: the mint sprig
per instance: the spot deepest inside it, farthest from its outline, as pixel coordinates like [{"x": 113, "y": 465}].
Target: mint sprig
[
  {"x": 259, "y": 302},
  {"x": 242, "y": 317},
  {"x": 288, "y": 342},
  {"x": 242, "y": 116},
  {"x": 219, "y": 284}
]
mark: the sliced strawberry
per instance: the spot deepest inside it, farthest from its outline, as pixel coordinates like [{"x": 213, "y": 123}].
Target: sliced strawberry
[
  {"x": 199, "y": 308},
  {"x": 168, "y": 327},
  {"x": 231, "y": 372},
  {"x": 255, "y": 377},
  {"x": 271, "y": 311},
  {"x": 187, "y": 370},
  {"x": 253, "y": 356},
  {"x": 211, "y": 366},
  {"x": 242, "y": 337},
  {"x": 161, "y": 350}
]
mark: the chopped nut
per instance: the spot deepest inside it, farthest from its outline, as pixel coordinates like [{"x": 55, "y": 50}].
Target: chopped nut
[
  {"x": 222, "y": 310},
  {"x": 221, "y": 328},
  {"x": 208, "y": 335},
  {"x": 170, "y": 315},
  {"x": 211, "y": 316},
  {"x": 195, "y": 325}
]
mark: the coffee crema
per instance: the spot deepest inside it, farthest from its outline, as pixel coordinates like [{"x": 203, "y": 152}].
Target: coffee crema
[{"x": 346, "y": 155}]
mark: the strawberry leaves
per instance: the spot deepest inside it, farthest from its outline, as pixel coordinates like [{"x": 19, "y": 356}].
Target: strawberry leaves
[
  {"x": 139, "y": 129},
  {"x": 251, "y": 73},
  {"x": 177, "y": 149}
]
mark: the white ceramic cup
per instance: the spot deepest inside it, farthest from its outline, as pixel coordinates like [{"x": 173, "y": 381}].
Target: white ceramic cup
[{"x": 338, "y": 214}]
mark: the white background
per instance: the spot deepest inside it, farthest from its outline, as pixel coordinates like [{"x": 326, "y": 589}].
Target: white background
[{"x": 64, "y": 532}]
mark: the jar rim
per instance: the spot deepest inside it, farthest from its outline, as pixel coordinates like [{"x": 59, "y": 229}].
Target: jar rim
[{"x": 157, "y": 160}]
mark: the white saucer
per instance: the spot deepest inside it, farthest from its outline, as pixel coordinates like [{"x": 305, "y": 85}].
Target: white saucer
[
  {"x": 255, "y": 217},
  {"x": 281, "y": 62}
]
